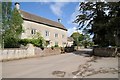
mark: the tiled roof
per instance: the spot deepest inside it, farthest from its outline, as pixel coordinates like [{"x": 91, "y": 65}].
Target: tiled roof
[
  {"x": 41, "y": 20},
  {"x": 70, "y": 39}
]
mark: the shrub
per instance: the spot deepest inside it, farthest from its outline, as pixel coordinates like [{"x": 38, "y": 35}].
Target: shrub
[
  {"x": 35, "y": 42},
  {"x": 11, "y": 42},
  {"x": 24, "y": 41},
  {"x": 56, "y": 46},
  {"x": 52, "y": 47}
]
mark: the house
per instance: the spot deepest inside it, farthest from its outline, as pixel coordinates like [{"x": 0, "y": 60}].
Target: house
[
  {"x": 53, "y": 32},
  {"x": 70, "y": 41}
]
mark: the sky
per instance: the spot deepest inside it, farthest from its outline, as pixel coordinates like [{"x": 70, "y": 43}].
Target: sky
[{"x": 66, "y": 11}]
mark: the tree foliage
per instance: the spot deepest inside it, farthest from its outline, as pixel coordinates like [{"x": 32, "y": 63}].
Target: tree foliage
[
  {"x": 81, "y": 40},
  {"x": 37, "y": 41},
  {"x": 102, "y": 20},
  {"x": 12, "y": 25}
]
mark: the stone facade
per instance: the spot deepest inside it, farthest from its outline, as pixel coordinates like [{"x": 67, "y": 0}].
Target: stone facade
[
  {"x": 61, "y": 39},
  {"x": 53, "y": 32}
]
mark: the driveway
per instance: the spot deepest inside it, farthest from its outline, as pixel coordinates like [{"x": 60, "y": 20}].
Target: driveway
[{"x": 55, "y": 66}]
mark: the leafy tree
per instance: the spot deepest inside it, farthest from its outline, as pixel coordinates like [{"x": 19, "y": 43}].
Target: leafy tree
[
  {"x": 1, "y": 25},
  {"x": 13, "y": 32},
  {"x": 6, "y": 16},
  {"x": 114, "y": 22},
  {"x": 81, "y": 40},
  {"x": 77, "y": 38},
  {"x": 98, "y": 18}
]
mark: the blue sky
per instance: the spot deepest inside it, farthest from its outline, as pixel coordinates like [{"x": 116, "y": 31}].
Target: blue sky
[{"x": 66, "y": 11}]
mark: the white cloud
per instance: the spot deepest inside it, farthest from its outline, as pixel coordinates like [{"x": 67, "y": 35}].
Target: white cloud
[
  {"x": 57, "y": 8},
  {"x": 72, "y": 18},
  {"x": 72, "y": 30},
  {"x": 74, "y": 14}
]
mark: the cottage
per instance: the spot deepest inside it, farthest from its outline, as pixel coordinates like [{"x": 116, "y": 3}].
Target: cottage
[
  {"x": 70, "y": 41},
  {"x": 53, "y": 32}
]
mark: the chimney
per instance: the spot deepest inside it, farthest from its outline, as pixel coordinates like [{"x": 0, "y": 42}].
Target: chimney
[
  {"x": 59, "y": 20},
  {"x": 17, "y": 5}
]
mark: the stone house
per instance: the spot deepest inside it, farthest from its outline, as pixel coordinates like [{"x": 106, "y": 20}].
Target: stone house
[
  {"x": 70, "y": 41},
  {"x": 53, "y": 32}
]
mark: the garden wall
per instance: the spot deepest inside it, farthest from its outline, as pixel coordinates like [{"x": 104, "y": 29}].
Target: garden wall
[
  {"x": 29, "y": 51},
  {"x": 17, "y": 53},
  {"x": 47, "y": 51},
  {"x": 106, "y": 52}
]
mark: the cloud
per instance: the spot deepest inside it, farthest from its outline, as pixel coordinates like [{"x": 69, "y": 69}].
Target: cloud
[
  {"x": 74, "y": 14},
  {"x": 72, "y": 30},
  {"x": 57, "y": 8},
  {"x": 72, "y": 18}
]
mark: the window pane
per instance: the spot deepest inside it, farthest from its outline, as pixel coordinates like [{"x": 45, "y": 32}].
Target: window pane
[
  {"x": 56, "y": 35},
  {"x": 46, "y": 33}
]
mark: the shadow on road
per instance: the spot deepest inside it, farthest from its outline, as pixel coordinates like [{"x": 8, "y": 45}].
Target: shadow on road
[{"x": 84, "y": 52}]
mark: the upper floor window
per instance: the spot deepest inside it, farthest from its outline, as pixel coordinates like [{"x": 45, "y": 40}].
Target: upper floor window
[
  {"x": 63, "y": 36},
  {"x": 33, "y": 31},
  {"x": 46, "y": 33},
  {"x": 56, "y": 35}
]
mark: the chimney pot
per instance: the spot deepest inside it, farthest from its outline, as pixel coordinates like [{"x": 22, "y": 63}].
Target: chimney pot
[
  {"x": 59, "y": 20},
  {"x": 17, "y": 5}
]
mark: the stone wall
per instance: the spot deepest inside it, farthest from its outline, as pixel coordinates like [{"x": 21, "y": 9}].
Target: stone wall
[
  {"x": 17, "y": 53},
  {"x": 29, "y": 51},
  {"x": 106, "y": 52},
  {"x": 47, "y": 51}
]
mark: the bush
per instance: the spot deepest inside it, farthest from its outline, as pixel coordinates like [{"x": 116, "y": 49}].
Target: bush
[
  {"x": 52, "y": 47},
  {"x": 11, "y": 42},
  {"x": 35, "y": 42},
  {"x": 56, "y": 46},
  {"x": 24, "y": 41}
]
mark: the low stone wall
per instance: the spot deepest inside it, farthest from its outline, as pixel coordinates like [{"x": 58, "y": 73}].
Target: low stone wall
[
  {"x": 106, "y": 52},
  {"x": 47, "y": 51},
  {"x": 17, "y": 53},
  {"x": 29, "y": 51}
]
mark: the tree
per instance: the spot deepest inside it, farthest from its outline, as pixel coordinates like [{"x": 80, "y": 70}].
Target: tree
[
  {"x": 77, "y": 38},
  {"x": 94, "y": 19},
  {"x": 81, "y": 40},
  {"x": 13, "y": 32},
  {"x": 114, "y": 22},
  {"x": 6, "y": 16},
  {"x": 1, "y": 25}
]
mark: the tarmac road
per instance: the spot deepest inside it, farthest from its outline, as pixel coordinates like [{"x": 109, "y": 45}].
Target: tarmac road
[{"x": 43, "y": 67}]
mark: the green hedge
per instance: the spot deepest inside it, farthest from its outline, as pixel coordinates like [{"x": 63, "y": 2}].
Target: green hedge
[{"x": 35, "y": 42}]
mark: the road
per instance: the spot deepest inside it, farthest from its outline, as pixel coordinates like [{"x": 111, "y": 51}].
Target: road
[{"x": 43, "y": 67}]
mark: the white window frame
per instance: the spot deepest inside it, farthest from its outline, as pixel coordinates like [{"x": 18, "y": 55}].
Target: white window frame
[{"x": 47, "y": 33}]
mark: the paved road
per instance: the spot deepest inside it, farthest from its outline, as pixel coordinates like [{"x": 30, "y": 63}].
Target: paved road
[{"x": 43, "y": 67}]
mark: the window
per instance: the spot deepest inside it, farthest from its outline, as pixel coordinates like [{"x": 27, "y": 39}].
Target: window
[
  {"x": 33, "y": 31},
  {"x": 46, "y": 33},
  {"x": 56, "y": 44},
  {"x": 63, "y": 36},
  {"x": 56, "y": 35}
]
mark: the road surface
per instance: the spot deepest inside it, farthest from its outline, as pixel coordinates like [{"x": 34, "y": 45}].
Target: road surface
[{"x": 43, "y": 67}]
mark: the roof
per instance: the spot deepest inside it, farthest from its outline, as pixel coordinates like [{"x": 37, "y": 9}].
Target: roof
[
  {"x": 70, "y": 39},
  {"x": 41, "y": 20}
]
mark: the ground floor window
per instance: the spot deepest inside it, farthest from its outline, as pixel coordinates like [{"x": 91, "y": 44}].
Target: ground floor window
[
  {"x": 47, "y": 43},
  {"x": 56, "y": 44}
]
